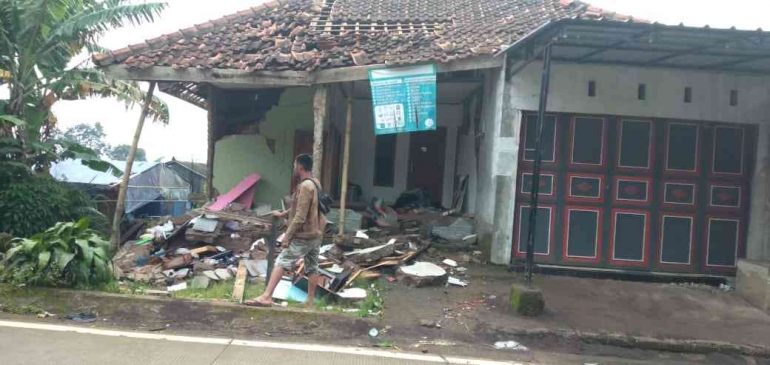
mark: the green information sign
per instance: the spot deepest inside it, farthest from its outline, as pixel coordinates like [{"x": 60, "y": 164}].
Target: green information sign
[{"x": 404, "y": 99}]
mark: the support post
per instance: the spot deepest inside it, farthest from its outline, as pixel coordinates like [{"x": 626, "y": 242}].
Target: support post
[
  {"x": 544, "y": 84},
  {"x": 320, "y": 98},
  {"x": 211, "y": 144},
  {"x": 115, "y": 239},
  {"x": 345, "y": 162}
]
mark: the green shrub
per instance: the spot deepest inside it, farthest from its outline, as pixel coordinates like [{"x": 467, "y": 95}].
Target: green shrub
[
  {"x": 67, "y": 254},
  {"x": 34, "y": 203}
]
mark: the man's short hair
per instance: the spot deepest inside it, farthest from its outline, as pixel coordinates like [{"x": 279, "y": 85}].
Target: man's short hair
[{"x": 305, "y": 161}]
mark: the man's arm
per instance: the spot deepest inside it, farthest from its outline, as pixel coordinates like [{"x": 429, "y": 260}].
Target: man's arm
[{"x": 303, "y": 205}]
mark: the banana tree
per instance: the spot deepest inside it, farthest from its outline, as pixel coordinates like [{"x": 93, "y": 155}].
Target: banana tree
[{"x": 38, "y": 41}]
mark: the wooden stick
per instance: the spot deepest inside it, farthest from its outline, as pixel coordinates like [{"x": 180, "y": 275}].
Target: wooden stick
[
  {"x": 115, "y": 239},
  {"x": 345, "y": 162},
  {"x": 319, "y": 119}
]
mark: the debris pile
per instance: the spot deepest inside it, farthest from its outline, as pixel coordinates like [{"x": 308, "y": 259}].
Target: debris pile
[{"x": 228, "y": 240}]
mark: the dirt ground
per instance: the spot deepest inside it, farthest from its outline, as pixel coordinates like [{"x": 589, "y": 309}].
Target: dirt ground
[{"x": 579, "y": 304}]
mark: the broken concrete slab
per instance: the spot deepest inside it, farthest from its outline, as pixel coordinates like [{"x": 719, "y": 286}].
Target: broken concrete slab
[
  {"x": 371, "y": 254},
  {"x": 211, "y": 275},
  {"x": 421, "y": 274},
  {"x": 207, "y": 237},
  {"x": 223, "y": 274},
  {"x": 252, "y": 268},
  {"x": 200, "y": 282},
  {"x": 456, "y": 231}
]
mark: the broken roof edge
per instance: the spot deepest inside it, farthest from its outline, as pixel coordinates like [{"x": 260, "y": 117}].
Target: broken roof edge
[
  {"x": 112, "y": 57},
  {"x": 279, "y": 79}
]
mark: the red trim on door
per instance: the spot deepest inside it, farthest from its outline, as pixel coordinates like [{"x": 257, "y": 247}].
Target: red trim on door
[
  {"x": 698, "y": 140},
  {"x": 651, "y": 147},
  {"x": 598, "y": 245},
  {"x": 723, "y": 175},
  {"x": 556, "y": 137},
  {"x": 645, "y": 242},
  {"x": 721, "y": 208},
  {"x": 671, "y": 266},
  {"x": 581, "y": 199},
  {"x": 738, "y": 246},
  {"x": 517, "y": 232},
  {"x": 616, "y": 190},
  {"x": 686, "y": 206},
  {"x": 546, "y": 197},
  {"x": 603, "y": 165}
]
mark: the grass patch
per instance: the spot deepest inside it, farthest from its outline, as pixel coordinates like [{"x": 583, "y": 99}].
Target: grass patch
[{"x": 220, "y": 291}]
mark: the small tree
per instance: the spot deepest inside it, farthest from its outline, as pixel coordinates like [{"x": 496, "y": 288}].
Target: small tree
[
  {"x": 91, "y": 136},
  {"x": 120, "y": 153}
]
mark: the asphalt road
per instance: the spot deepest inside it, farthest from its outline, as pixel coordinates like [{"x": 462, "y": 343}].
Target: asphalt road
[
  {"x": 24, "y": 342},
  {"x": 61, "y": 345}
]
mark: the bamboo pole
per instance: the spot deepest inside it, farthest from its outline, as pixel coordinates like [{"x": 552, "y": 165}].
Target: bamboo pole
[
  {"x": 115, "y": 239},
  {"x": 345, "y": 162}
]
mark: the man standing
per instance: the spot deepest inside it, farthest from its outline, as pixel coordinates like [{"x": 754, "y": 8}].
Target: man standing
[{"x": 303, "y": 237}]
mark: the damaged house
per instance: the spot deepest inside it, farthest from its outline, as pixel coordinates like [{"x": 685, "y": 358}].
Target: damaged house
[{"x": 654, "y": 137}]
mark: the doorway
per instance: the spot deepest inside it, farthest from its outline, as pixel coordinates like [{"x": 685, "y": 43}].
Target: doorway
[{"x": 426, "y": 162}]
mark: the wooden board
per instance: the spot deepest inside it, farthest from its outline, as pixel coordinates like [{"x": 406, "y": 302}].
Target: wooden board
[{"x": 240, "y": 282}]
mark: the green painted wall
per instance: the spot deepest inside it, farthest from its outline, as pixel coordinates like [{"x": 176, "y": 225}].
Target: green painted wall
[{"x": 240, "y": 155}]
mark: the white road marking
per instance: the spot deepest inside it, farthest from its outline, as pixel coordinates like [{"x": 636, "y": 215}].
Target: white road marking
[{"x": 257, "y": 344}]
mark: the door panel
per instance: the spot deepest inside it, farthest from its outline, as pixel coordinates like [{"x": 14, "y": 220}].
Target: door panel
[
  {"x": 426, "y": 162},
  {"x": 672, "y": 198}
]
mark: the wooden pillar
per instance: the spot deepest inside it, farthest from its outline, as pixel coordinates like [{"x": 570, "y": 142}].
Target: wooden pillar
[
  {"x": 320, "y": 98},
  {"x": 210, "y": 107},
  {"x": 115, "y": 239},
  {"x": 346, "y": 161}
]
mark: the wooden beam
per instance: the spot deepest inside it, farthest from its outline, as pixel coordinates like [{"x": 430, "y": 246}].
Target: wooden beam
[
  {"x": 356, "y": 73},
  {"x": 273, "y": 79},
  {"x": 320, "y": 101},
  {"x": 235, "y": 77},
  {"x": 115, "y": 239},
  {"x": 211, "y": 143}
]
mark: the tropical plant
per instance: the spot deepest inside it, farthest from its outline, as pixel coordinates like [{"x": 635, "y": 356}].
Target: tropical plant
[
  {"x": 34, "y": 203},
  {"x": 38, "y": 41},
  {"x": 67, "y": 254}
]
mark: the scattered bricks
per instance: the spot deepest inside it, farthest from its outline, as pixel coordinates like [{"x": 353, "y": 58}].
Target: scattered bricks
[{"x": 528, "y": 301}]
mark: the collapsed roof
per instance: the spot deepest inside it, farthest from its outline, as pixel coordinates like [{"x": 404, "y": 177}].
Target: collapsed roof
[{"x": 307, "y": 35}]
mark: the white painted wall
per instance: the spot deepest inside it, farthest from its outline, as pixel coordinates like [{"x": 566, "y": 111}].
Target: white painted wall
[
  {"x": 616, "y": 93},
  {"x": 362, "y": 149}
]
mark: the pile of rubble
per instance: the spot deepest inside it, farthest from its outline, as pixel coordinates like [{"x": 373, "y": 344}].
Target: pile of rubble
[{"x": 233, "y": 243}]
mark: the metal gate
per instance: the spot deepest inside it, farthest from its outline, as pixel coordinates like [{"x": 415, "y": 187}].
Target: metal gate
[{"x": 637, "y": 193}]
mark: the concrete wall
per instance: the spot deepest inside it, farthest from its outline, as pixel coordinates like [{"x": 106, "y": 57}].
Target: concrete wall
[
  {"x": 616, "y": 94},
  {"x": 238, "y": 156},
  {"x": 753, "y": 283},
  {"x": 362, "y": 148}
]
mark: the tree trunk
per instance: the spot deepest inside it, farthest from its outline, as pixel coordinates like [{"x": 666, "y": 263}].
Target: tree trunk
[{"x": 115, "y": 239}]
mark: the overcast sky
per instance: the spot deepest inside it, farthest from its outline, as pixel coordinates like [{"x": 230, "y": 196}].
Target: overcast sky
[{"x": 185, "y": 136}]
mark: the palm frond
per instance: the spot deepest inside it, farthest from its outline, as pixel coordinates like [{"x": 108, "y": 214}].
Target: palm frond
[{"x": 104, "y": 16}]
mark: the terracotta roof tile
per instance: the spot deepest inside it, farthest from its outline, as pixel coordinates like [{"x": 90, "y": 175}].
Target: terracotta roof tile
[{"x": 282, "y": 35}]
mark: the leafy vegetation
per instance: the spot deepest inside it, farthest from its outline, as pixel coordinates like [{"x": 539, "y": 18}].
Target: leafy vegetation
[
  {"x": 39, "y": 42},
  {"x": 34, "y": 203},
  {"x": 67, "y": 254},
  {"x": 120, "y": 152},
  {"x": 87, "y": 135}
]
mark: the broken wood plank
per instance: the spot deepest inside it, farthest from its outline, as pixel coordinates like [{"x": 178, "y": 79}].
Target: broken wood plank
[{"x": 240, "y": 282}]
